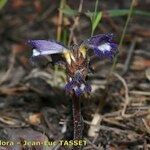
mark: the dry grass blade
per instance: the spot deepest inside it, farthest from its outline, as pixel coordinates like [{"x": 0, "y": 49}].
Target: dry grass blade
[
  {"x": 76, "y": 22},
  {"x": 127, "y": 99}
]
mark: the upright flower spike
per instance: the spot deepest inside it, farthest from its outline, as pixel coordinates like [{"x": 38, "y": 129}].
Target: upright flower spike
[
  {"x": 77, "y": 61},
  {"x": 77, "y": 65},
  {"x": 102, "y": 45}
]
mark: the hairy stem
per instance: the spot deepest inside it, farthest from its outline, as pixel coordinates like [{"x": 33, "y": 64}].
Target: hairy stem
[{"x": 77, "y": 120}]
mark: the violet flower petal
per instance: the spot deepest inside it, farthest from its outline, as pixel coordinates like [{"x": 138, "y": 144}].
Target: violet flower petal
[
  {"x": 102, "y": 45},
  {"x": 69, "y": 86},
  {"x": 95, "y": 40},
  {"x": 77, "y": 85},
  {"x": 87, "y": 88},
  {"x": 45, "y": 47},
  {"x": 78, "y": 92}
]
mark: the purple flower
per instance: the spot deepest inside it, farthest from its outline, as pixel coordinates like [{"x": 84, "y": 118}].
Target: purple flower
[
  {"x": 45, "y": 47},
  {"x": 78, "y": 85},
  {"x": 76, "y": 58},
  {"x": 102, "y": 45}
]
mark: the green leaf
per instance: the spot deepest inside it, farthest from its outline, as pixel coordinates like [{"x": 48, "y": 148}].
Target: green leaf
[
  {"x": 112, "y": 13},
  {"x": 2, "y": 3},
  {"x": 117, "y": 12},
  {"x": 96, "y": 20},
  {"x": 140, "y": 12},
  {"x": 123, "y": 12}
]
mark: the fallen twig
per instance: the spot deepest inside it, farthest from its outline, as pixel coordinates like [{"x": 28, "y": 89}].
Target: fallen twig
[{"x": 127, "y": 100}]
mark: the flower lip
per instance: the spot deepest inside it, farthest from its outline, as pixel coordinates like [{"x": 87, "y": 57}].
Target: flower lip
[
  {"x": 102, "y": 45},
  {"x": 78, "y": 89},
  {"x": 45, "y": 47},
  {"x": 78, "y": 85},
  {"x": 95, "y": 40}
]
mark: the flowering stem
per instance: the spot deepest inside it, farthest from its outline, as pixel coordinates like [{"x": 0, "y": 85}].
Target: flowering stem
[{"x": 77, "y": 119}]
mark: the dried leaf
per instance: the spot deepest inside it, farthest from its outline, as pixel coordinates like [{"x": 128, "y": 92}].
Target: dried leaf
[{"x": 35, "y": 119}]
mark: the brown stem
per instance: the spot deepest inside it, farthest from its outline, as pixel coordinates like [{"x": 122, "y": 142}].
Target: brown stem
[{"x": 77, "y": 120}]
